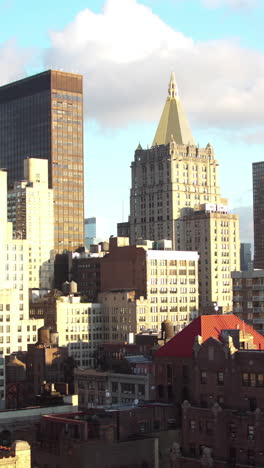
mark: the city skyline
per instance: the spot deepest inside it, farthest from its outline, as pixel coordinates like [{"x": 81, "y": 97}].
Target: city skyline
[{"x": 125, "y": 82}]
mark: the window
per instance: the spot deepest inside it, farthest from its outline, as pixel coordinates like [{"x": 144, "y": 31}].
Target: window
[
  {"x": 142, "y": 425},
  {"x": 192, "y": 424},
  {"x": 114, "y": 386},
  {"x": 232, "y": 431},
  {"x": 251, "y": 457},
  {"x": 160, "y": 391},
  {"x": 251, "y": 432},
  {"x": 252, "y": 378},
  {"x": 209, "y": 427},
  {"x": 220, "y": 378},
  {"x": 156, "y": 425},
  {"x": 260, "y": 380},
  {"x": 203, "y": 377},
  {"x": 169, "y": 371},
  {"x": 245, "y": 379}
]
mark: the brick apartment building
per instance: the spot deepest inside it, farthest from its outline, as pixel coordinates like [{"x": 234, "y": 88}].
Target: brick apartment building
[
  {"x": 214, "y": 371},
  {"x": 129, "y": 437}
]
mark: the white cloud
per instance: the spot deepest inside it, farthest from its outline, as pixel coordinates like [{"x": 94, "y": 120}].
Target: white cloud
[
  {"x": 230, "y": 3},
  {"x": 13, "y": 60},
  {"x": 127, "y": 53}
]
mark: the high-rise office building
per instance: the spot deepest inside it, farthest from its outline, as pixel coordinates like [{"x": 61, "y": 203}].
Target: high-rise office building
[
  {"x": 42, "y": 117},
  {"x": 90, "y": 231},
  {"x": 30, "y": 208},
  {"x": 174, "y": 173},
  {"x": 258, "y": 213},
  {"x": 245, "y": 256}
]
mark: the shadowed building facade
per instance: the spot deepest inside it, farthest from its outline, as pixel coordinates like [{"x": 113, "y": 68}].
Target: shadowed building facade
[
  {"x": 42, "y": 117},
  {"x": 258, "y": 214}
]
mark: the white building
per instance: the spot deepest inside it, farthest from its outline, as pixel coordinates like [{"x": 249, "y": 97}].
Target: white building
[
  {"x": 16, "y": 329},
  {"x": 79, "y": 326},
  {"x": 30, "y": 208}
]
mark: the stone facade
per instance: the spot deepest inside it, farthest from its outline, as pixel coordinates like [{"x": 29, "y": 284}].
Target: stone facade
[
  {"x": 214, "y": 233},
  {"x": 165, "y": 281},
  {"x": 19, "y": 456},
  {"x": 173, "y": 174}
]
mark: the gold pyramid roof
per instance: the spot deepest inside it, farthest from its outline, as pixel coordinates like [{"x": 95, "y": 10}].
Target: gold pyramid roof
[{"x": 173, "y": 122}]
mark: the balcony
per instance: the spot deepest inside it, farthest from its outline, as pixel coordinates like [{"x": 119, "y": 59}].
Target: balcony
[
  {"x": 258, "y": 309},
  {"x": 258, "y": 298}
]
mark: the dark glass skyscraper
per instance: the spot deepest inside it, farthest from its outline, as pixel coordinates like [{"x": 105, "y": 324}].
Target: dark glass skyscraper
[
  {"x": 42, "y": 116},
  {"x": 258, "y": 212}
]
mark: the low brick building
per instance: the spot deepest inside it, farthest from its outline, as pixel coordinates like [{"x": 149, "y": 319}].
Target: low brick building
[
  {"x": 95, "y": 388},
  {"x": 131, "y": 438},
  {"x": 214, "y": 371}
]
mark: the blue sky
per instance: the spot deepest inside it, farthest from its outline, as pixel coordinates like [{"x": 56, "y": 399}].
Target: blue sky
[{"x": 126, "y": 50}]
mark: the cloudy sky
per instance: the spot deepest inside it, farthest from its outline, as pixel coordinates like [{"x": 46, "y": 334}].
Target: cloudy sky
[{"x": 126, "y": 50}]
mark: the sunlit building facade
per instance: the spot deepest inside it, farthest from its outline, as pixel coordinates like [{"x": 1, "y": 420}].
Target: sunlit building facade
[{"x": 42, "y": 117}]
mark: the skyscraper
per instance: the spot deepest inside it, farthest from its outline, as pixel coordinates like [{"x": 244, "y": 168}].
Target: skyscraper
[
  {"x": 245, "y": 256},
  {"x": 89, "y": 231},
  {"x": 258, "y": 213},
  {"x": 173, "y": 174},
  {"x": 175, "y": 195},
  {"x": 42, "y": 117}
]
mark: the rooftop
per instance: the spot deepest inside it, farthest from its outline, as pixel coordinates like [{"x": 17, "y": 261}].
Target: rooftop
[{"x": 207, "y": 326}]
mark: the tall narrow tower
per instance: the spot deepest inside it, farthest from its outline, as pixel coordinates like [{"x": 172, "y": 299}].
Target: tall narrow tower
[
  {"x": 173, "y": 174},
  {"x": 258, "y": 212},
  {"x": 42, "y": 117}
]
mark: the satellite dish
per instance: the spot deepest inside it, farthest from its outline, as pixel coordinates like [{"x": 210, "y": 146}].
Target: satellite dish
[{"x": 136, "y": 401}]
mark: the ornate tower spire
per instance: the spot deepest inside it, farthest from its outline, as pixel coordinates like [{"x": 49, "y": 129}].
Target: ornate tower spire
[
  {"x": 172, "y": 90},
  {"x": 173, "y": 120}
]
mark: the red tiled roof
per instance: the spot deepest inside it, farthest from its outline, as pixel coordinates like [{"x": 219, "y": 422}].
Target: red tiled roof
[{"x": 181, "y": 345}]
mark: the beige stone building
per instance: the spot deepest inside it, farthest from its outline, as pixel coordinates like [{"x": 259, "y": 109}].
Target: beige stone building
[
  {"x": 79, "y": 326},
  {"x": 165, "y": 281},
  {"x": 214, "y": 233},
  {"x": 30, "y": 208},
  {"x": 18, "y": 456},
  {"x": 174, "y": 173},
  {"x": 119, "y": 314}
]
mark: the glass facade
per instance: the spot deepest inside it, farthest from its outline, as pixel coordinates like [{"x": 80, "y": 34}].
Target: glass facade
[{"x": 42, "y": 116}]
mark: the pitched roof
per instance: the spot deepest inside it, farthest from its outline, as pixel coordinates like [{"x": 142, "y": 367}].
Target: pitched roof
[
  {"x": 181, "y": 345},
  {"x": 173, "y": 123}
]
